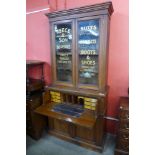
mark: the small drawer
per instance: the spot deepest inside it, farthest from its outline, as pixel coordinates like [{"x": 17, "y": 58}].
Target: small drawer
[
  {"x": 90, "y": 103},
  {"x": 56, "y": 100},
  {"x": 93, "y": 107},
  {"x": 54, "y": 93},
  {"x": 90, "y": 99},
  {"x": 87, "y": 107},
  {"x": 124, "y": 124},
  {"x": 90, "y": 107},
  {"x": 56, "y": 97},
  {"x": 124, "y": 114},
  {"x": 123, "y": 135},
  {"x": 123, "y": 145},
  {"x": 87, "y": 103},
  {"x": 121, "y": 152},
  {"x": 94, "y": 104}
]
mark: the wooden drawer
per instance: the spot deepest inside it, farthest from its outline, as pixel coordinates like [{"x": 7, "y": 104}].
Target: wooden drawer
[
  {"x": 123, "y": 140},
  {"x": 124, "y": 124},
  {"x": 34, "y": 101},
  {"x": 124, "y": 114},
  {"x": 55, "y": 93},
  {"x": 124, "y": 108},
  {"x": 90, "y": 99},
  {"x": 56, "y": 97},
  {"x": 56, "y": 100},
  {"x": 123, "y": 145},
  {"x": 120, "y": 152},
  {"x": 123, "y": 135}
]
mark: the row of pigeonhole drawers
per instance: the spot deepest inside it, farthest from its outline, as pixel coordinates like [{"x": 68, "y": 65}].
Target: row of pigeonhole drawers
[{"x": 89, "y": 103}]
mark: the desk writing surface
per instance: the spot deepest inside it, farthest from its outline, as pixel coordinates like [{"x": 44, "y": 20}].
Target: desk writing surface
[{"x": 86, "y": 119}]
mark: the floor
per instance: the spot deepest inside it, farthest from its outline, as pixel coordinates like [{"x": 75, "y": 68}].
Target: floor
[{"x": 49, "y": 145}]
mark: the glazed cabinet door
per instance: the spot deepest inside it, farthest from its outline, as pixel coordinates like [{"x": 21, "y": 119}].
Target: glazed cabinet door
[
  {"x": 88, "y": 47},
  {"x": 63, "y": 52}
]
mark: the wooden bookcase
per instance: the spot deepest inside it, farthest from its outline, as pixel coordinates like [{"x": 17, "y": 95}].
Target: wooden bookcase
[{"x": 79, "y": 55}]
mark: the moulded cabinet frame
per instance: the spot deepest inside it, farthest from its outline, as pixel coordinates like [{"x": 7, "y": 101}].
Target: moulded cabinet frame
[
  {"x": 53, "y": 54},
  {"x": 89, "y": 86},
  {"x": 103, "y": 59}
]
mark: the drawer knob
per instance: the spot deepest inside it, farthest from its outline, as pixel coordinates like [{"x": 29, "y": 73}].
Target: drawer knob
[{"x": 121, "y": 107}]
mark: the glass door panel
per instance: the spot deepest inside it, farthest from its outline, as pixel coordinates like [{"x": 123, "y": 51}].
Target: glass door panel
[
  {"x": 88, "y": 51},
  {"x": 63, "y": 48}
]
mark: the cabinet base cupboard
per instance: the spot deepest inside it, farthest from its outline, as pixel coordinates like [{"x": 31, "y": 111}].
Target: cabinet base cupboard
[{"x": 76, "y": 102}]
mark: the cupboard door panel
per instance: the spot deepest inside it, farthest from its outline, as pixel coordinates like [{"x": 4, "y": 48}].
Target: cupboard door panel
[
  {"x": 84, "y": 133},
  {"x": 61, "y": 126}
]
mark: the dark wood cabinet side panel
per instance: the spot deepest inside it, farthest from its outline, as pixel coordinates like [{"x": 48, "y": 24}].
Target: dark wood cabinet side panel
[
  {"x": 99, "y": 130},
  {"x": 38, "y": 124},
  {"x": 102, "y": 106}
]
